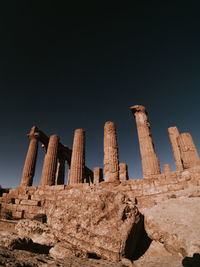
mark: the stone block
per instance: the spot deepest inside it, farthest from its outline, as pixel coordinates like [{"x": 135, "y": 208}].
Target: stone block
[
  {"x": 175, "y": 187},
  {"x": 29, "y": 202},
  {"x": 17, "y": 214},
  {"x": 58, "y": 187},
  {"x": 17, "y": 201}
]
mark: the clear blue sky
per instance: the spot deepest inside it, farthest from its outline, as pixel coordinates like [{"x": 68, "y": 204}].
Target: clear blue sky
[{"x": 69, "y": 67}]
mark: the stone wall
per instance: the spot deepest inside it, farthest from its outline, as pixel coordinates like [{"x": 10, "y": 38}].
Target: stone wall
[{"x": 27, "y": 202}]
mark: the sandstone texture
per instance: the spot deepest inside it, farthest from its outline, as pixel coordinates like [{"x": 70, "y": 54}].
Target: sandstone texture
[
  {"x": 174, "y": 224},
  {"x": 96, "y": 222}
]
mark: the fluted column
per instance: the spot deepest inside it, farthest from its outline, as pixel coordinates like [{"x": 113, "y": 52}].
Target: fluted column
[
  {"x": 50, "y": 162},
  {"x": 188, "y": 152},
  {"x": 150, "y": 163},
  {"x": 78, "y": 158},
  {"x": 111, "y": 161},
  {"x": 98, "y": 175},
  {"x": 173, "y": 134},
  {"x": 30, "y": 162},
  {"x": 123, "y": 172},
  {"x": 60, "y": 174}
]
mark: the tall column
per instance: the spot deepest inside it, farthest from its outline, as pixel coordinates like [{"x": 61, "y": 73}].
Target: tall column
[
  {"x": 123, "y": 172},
  {"x": 98, "y": 175},
  {"x": 150, "y": 163},
  {"x": 189, "y": 154},
  {"x": 60, "y": 174},
  {"x": 30, "y": 162},
  {"x": 78, "y": 158},
  {"x": 111, "y": 161},
  {"x": 173, "y": 134},
  {"x": 50, "y": 162}
]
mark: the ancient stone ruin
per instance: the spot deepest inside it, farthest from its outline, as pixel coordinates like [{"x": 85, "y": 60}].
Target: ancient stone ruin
[{"x": 98, "y": 212}]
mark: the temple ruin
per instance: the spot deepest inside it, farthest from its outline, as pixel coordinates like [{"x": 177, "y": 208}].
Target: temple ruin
[
  {"x": 27, "y": 201},
  {"x": 57, "y": 155}
]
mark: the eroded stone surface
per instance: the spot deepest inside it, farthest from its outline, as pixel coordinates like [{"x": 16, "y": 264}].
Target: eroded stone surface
[
  {"x": 188, "y": 152},
  {"x": 96, "y": 223},
  {"x": 150, "y": 163},
  {"x": 77, "y": 167},
  {"x": 111, "y": 158},
  {"x": 50, "y": 162},
  {"x": 173, "y": 134},
  {"x": 175, "y": 223}
]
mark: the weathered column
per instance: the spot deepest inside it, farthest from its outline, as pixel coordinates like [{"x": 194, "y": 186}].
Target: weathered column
[
  {"x": 111, "y": 161},
  {"x": 166, "y": 168},
  {"x": 173, "y": 134},
  {"x": 150, "y": 163},
  {"x": 98, "y": 175},
  {"x": 50, "y": 162},
  {"x": 30, "y": 162},
  {"x": 60, "y": 174},
  {"x": 123, "y": 172},
  {"x": 78, "y": 158},
  {"x": 188, "y": 152}
]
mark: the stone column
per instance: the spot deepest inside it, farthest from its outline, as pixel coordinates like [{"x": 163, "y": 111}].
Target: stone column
[
  {"x": 123, "y": 172},
  {"x": 78, "y": 158},
  {"x": 150, "y": 163},
  {"x": 189, "y": 154},
  {"x": 98, "y": 175},
  {"x": 173, "y": 134},
  {"x": 60, "y": 174},
  {"x": 166, "y": 168},
  {"x": 30, "y": 162},
  {"x": 111, "y": 161},
  {"x": 50, "y": 162}
]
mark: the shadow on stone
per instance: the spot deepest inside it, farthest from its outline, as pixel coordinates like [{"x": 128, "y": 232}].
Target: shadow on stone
[
  {"x": 93, "y": 256},
  {"x": 137, "y": 242},
  {"x": 192, "y": 261},
  {"x": 29, "y": 245}
]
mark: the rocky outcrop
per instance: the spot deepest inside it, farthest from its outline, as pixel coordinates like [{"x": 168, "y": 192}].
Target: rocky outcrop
[
  {"x": 96, "y": 223},
  {"x": 175, "y": 224}
]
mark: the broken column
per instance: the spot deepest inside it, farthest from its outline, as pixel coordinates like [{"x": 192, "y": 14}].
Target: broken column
[
  {"x": 150, "y": 163},
  {"x": 188, "y": 152},
  {"x": 123, "y": 172},
  {"x": 173, "y": 134},
  {"x": 78, "y": 158},
  {"x": 50, "y": 162},
  {"x": 30, "y": 162},
  {"x": 111, "y": 161},
  {"x": 60, "y": 174},
  {"x": 98, "y": 175}
]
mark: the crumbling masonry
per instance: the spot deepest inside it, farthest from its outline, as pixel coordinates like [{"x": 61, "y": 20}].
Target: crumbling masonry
[{"x": 27, "y": 201}]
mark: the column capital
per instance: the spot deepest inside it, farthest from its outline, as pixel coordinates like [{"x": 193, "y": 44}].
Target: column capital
[
  {"x": 33, "y": 133},
  {"x": 172, "y": 130},
  {"x": 138, "y": 108},
  {"x": 79, "y": 131}
]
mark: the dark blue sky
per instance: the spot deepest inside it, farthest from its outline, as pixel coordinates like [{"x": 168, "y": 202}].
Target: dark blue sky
[{"x": 68, "y": 67}]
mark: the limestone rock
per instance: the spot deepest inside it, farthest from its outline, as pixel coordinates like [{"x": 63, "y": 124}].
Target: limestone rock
[
  {"x": 176, "y": 224},
  {"x": 39, "y": 232},
  {"x": 100, "y": 223},
  {"x": 158, "y": 256}
]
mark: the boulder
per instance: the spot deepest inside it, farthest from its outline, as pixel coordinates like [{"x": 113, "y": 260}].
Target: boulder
[
  {"x": 96, "y": 223},
  {"x": 38, "y": 232},
  {"x": 175, "y": 223}
]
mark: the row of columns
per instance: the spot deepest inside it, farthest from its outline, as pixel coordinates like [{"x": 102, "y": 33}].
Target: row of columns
[
  {"x": 53, "y": 172},
  {"x": 184, "y": 150}
]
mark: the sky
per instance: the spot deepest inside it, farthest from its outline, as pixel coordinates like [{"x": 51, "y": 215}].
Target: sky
[{"x": 78, "y": 66}]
